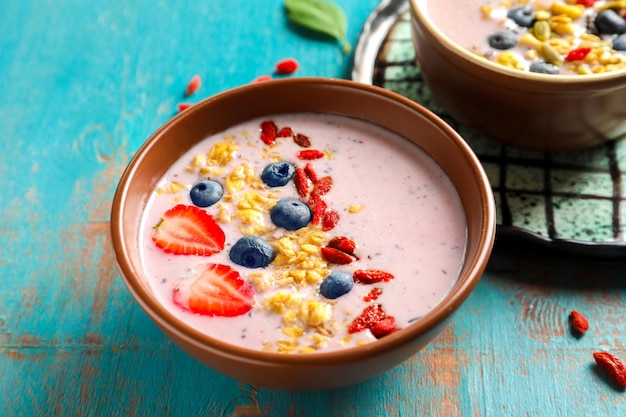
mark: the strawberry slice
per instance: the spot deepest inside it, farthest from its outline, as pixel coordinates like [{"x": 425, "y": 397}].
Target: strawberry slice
[
  {"x": 188, "y": 230},
  {"x": 219, "y": 291}
]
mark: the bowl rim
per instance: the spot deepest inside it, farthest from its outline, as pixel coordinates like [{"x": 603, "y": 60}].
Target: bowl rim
[
  {"x": 427, "y": 323},
  {"x": 596, "y": 80}
]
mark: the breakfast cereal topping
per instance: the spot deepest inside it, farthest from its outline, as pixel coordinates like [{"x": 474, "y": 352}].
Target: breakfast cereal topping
[{"x": 558, "y": 37}]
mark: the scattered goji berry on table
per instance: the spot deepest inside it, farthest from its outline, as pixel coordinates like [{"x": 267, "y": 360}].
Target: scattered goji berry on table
[
  {"x": 193, "y": 85},
  {"x": 268, "y": 132},
  {"x": 579, "y": 323},
  {"x": 577, "y": 54},
  {"x": 613, "y": 366},
  {"x": 371, "y": 276},
  {"x": 310, "y": 154},
  {"x": 183, "y": 106},
  {"x": 335, "y": 256},
  {"x": 262, "y": 78},
  {"x": 287, "y": 66}
]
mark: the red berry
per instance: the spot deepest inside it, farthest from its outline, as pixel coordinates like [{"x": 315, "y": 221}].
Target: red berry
[
  {"x": 322, "y": 186},
  {"x": 284, "y": 132},
  {"x": 330, "y": 220},
  {"x": 580, "y": 325},
  {"x": 371, "y": 276},
  {"x": 319, "y": 209},
  {"x": 373, "y": 295},
  {"x": 262, "y": 78},
  {"x": 268, "y": 132},
  {"x": 188, "y": 230},
  {"x": 194, "y": 85},
  {"x": 371, "y": 315},
  {"x": 302, "y": 140},
  {"x": 287, "y": 66},
  {"x": 218, "y": 291},
  {"x": 301, "y": 182},
  {"x": 613, "y": 366},
  {"x": 310, "y": 154},
  {"x": 310, "y": 172},
  {"x": 577, "y": 54},
  {"x": 343, "y": 244},
  {"x": 586, "y": 3},
  {"x": 335, "y": 256},
  {"x": 384, "y": 327}
]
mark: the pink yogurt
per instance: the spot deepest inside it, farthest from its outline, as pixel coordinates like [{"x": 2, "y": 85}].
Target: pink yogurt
[{"x": 394, "y": 201}]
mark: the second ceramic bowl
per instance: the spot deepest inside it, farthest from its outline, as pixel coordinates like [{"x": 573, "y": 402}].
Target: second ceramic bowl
[{"x": 518, "y": 108}]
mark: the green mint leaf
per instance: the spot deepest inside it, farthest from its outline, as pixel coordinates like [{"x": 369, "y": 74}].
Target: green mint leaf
[{"x": 320, "y": 16}]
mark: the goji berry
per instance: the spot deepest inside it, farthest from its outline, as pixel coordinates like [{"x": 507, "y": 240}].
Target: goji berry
[
  {"x": 577, "y": 54},
  {"x": 335, "y": 256},
  {"x": 371, "y": 315},
  {"x": 613, "y": 366},
  {"x": 268, "y": 132},
  {"x": 319, "y": 209},
  {"x": 310, "y": 172},
  {"x": 301, "y": 182},
  {"x": 373, "y": 295},
  {"x": 262, "y": 78},
  {"x": 310, "y": 154},
  {"x": 183, "y": 106},
  {"x": 284, "y": 132},
  {"x": 579, "y": 323},
  {"x": 322, "y": 186},
  {"x": 193, "y": 85},
  {"x": 287, "y": 66},
  {"x": 371, "y": 276},
  {"x": 343, "y": 244},
  {"x": 384, "y": 327},
  {"x": 586, "y": 3},
  {"x": 301, "y": 140},
  {"x": 330, "y": 220}
]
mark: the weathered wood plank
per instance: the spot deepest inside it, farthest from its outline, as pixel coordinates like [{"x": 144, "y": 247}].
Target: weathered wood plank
[{"x": 83, "y": 84}]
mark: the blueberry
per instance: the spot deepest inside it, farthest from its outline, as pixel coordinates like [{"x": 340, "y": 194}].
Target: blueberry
[
  {"x": 609, "y": 22},
  {"x": 205, "y": 193},
  {"x": 522, "y": 16},
  {"x": 504, "y": 39},
  {"x": 619, "y": 43},
  {"x": 543, "y": 67},
  {"x": 252, "y": 252},
  {"x": 336, "y": 284},
  {"x": 278, "y": 174},
  {"x": 291, "y": 214}
]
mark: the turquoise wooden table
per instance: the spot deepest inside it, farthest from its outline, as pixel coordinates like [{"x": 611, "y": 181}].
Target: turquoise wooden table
[{"x": 82, "y": 85}]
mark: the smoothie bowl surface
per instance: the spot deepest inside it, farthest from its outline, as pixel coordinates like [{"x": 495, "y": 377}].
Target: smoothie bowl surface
[
  {"x": 303, "y": 243},
  {"x": 545, "y": 75}
]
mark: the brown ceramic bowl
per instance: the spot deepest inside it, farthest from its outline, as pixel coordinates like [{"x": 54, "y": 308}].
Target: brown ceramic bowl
[
  {"x": 318, "y": 370},
  {"x": 520, "y": 109}
]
